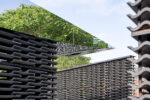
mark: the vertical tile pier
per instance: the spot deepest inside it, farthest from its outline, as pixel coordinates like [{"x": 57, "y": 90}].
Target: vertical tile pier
[
  {"x": 27, "y": 70},
  {"x": 106, "y": 80},
  {"x": 142, "y": 34}
]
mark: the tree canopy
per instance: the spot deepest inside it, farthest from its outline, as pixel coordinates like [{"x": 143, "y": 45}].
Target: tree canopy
[
  {"x": 70, "y": 62},
  {"x": 39, "y": 22}
]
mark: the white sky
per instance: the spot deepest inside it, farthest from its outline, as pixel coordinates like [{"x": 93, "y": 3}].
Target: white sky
[
  {"x": 105, "y": 19},
  {"x": 110, "y": 54}
]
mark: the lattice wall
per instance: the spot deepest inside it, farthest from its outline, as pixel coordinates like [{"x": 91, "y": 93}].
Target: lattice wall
[
  {"x": 27, "y": 69},
  {"x": 101, "y": 81}
]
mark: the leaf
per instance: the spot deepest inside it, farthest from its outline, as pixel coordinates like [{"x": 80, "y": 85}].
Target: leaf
[{"x": 42, "y": 23}]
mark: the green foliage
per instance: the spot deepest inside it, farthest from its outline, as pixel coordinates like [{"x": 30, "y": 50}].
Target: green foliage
[
  {"x": 40, "y": 22},
  {"x": 101, "y": 44},
  {"x": 70, "y": 62},
  {"x": 93, "y": 51},
  {"x": 2, "y": 78}
]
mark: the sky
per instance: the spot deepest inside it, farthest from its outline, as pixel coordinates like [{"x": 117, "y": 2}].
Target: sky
[
  {"x": 105, "y": 19},
  {"x": 12, "y": 4},
  {"x": 110, "y": 54}
]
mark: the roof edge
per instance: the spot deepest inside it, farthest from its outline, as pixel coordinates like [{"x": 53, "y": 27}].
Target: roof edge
[{"x": 118, "y": 58}]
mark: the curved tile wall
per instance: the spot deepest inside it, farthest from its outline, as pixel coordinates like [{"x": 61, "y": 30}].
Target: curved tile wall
[
  {"x": 142, "y": 34},
  {"x": 27, "y": 70}
]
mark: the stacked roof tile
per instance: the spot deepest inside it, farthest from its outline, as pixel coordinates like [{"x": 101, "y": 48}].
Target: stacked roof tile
[
  {"x": 27, "y": 69},
  {"x": 100, "y": 81},
  {"x": 67, "y": 49},
  {"x": 142, "y": 34}
]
